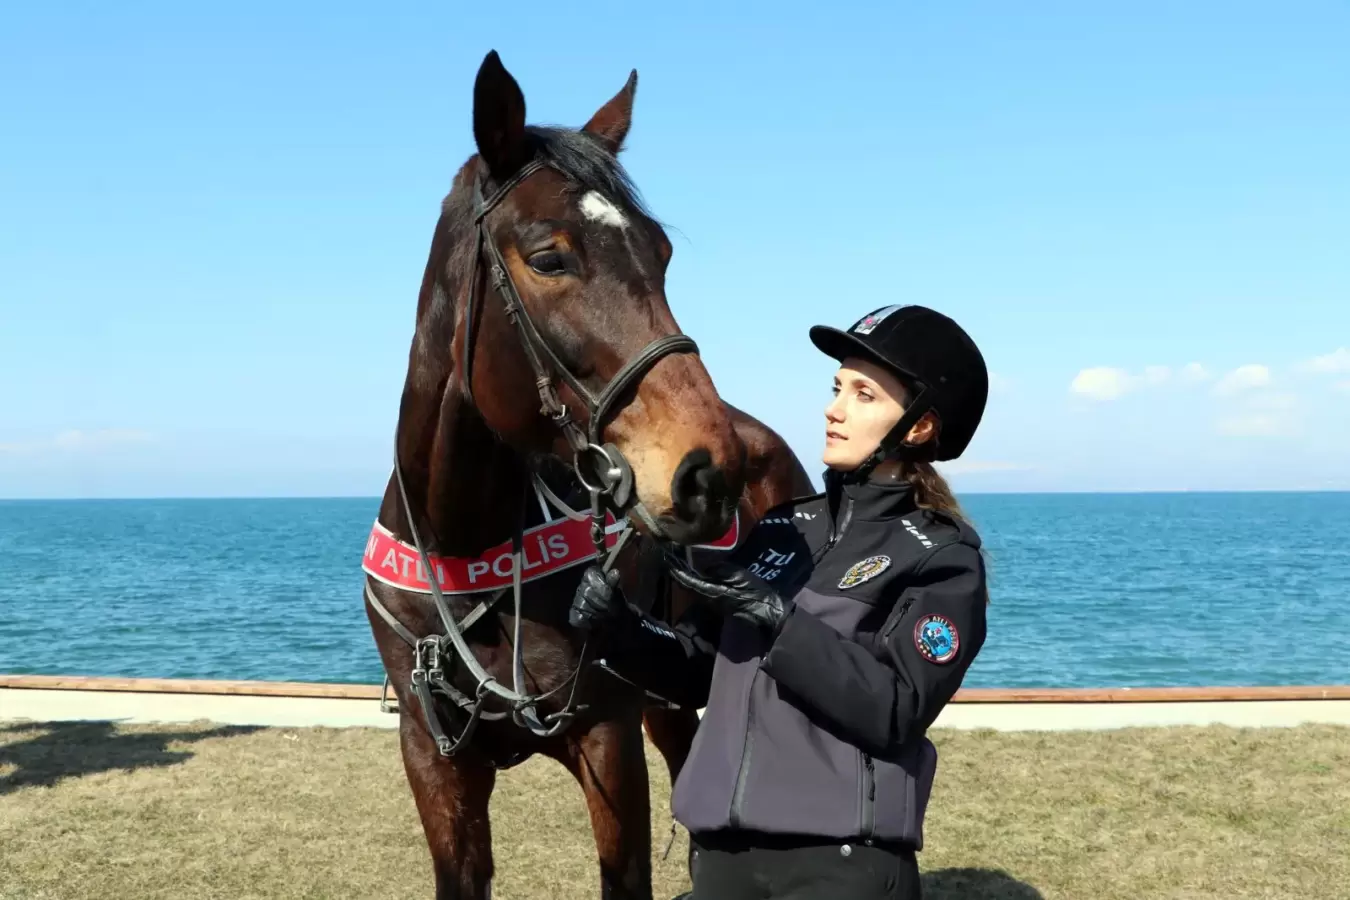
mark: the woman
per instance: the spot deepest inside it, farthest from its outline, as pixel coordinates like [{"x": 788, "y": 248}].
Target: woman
[{"x": 832, "y": 639}]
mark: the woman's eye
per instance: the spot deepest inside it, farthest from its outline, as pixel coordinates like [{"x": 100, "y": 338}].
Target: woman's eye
[
  {"x": 548, "y": 262},
  {"x": 864, "y": 396}
]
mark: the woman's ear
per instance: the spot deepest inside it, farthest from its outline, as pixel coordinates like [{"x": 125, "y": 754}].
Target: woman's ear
[{"x": 924, "y": 430}]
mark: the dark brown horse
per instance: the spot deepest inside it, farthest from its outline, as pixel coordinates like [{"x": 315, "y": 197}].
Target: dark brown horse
[{"x": 545, "y": 285}]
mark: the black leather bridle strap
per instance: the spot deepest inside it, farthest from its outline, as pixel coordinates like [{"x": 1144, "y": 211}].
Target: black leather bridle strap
[
  {"x": 632, "y": 371},
  {"x": 545, "y": 363},
  {"x": 613, "y": 488},
  {"x": 893, "y": 444}
]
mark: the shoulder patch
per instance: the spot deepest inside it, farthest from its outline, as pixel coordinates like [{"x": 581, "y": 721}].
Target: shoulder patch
[
  {"x": 864, "y": 570},
  {"x": 936, "y": 639}
]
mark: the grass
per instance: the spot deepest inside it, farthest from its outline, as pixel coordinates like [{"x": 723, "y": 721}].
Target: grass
[{"x": 91, "y": 810}]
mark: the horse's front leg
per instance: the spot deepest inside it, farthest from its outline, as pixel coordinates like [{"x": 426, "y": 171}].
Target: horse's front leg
[
  {"x": 672, "y": 733},
  {"x": 609, "y": 764},
  {"x": 452, "y": 797}
]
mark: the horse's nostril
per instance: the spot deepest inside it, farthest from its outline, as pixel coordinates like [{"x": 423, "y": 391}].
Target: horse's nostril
[
  {"x": 687, "y": 487},
  {"x": 699, "y": 488},
  {"x": 712, "y": 485}
]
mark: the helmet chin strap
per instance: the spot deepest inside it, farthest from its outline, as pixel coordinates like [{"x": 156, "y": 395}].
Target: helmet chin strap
[{"x": 893, "y": 445}]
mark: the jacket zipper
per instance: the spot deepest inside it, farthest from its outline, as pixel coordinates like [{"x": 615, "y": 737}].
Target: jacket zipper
[
  {"x": 868, "y": 799},
  {"x": 738, "y": 791},
  {"x": 836, "y": 535}
]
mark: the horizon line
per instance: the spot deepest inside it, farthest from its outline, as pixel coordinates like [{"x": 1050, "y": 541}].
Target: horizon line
[{"x": 983, "y": 493}]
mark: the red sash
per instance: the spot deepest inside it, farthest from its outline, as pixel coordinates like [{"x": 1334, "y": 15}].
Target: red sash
[{"x": 545, "y": 549}]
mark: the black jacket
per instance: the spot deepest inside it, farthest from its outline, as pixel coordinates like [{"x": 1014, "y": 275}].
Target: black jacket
[{"x": 821, "y": 732}]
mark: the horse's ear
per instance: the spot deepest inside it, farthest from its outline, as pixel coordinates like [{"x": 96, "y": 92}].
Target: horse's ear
[
  {"x": 499, "y": 118},
  {"x": 612, "y": 121}
]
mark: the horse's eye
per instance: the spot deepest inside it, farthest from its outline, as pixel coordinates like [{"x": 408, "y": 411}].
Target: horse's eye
[{"x": 548, "y": 262}]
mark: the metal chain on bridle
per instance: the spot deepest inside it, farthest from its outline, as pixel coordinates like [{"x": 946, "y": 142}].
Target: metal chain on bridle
[{"x": 600, "y": 468}]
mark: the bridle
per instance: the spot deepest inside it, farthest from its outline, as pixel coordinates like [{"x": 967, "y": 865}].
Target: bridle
[
  {"x": 599, "y": 467},
  {"x": 610, "y": 469}
]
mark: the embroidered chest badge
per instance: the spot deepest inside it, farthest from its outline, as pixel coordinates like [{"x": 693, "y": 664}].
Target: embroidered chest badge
[
  {"x": 864, "y": 570},
  {"x": 937, "y": 639}
]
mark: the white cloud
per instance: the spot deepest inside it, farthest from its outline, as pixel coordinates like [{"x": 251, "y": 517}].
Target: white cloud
[
  {"x": 1342, "y": 386},
  {"x": 1272, "y": 401},
  {"x": 1110, "y": 383},
  {"x": 75, "y": 440},
  {"x": 999, "y": 384},
  {"x": 1243, "y": 378},
  {"x": 1156, "y": 375},
  {"x": 1253, "y": 424},
  {"x": 1263, "y": 413},
  {"x": 1194, "y": 373},
  {"x": 1102, "y": 383},
  {"x": 1334, "y": 363}
]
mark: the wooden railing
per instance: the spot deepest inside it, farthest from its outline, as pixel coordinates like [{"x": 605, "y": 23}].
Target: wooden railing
[{"x": 967, "y": 695}]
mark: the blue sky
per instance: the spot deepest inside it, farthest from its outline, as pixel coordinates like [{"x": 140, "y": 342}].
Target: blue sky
[{"x": 213, "y": 223}]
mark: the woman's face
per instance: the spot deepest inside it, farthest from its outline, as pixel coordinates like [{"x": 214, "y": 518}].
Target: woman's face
[{"x": 868, "y": 401}]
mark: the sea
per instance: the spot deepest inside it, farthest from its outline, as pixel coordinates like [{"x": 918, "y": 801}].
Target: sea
[{"x": 1086, "y": 590}]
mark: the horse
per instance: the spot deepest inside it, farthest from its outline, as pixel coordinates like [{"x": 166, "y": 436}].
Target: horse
[{"x": 552, "y": 414}]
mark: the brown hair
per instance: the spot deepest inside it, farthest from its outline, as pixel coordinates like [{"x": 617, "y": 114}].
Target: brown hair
[{"x": 931, "y": 490}]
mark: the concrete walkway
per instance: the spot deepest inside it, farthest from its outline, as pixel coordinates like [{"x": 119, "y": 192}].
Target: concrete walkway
[
  {"x": 141, "y": 706},
  {"x": 1095, "y": 716},
  {"x": 226, "y": 709}
]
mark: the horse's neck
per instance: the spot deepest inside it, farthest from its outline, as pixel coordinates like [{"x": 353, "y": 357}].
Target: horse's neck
[{"x": 465, "y": 486}]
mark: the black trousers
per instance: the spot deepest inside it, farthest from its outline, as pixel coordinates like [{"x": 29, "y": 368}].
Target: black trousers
[{"x": 771, "y": 867}]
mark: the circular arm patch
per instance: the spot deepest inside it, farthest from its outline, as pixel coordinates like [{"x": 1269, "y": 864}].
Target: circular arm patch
[{"x": 936, "y": 638}]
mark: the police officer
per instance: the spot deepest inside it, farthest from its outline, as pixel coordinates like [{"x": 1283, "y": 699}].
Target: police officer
[{"x": 830, "y": 639}]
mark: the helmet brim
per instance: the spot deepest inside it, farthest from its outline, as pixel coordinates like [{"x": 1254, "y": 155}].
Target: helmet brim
[{"x": 840, "y": 345}]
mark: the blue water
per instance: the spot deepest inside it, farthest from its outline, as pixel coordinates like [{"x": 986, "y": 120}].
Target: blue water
[{"x": 1087, "y": 590}]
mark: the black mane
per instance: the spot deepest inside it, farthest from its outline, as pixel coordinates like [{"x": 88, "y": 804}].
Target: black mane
[
  {"x": 583, "y": 159},
  {"x": 578, "y": 155}
]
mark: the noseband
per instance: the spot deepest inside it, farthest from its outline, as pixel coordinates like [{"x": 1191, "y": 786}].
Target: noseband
[{"x": 599, "y": 466}]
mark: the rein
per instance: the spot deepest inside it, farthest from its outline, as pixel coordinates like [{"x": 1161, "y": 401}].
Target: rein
[{"x": 599, "y": 467}]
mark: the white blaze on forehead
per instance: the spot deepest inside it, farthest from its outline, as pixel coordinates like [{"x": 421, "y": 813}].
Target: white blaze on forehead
[{"x": 595, "y": 207}]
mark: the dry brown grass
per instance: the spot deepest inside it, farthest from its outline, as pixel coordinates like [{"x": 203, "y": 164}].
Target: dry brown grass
[{"x": 98, "y": 811}]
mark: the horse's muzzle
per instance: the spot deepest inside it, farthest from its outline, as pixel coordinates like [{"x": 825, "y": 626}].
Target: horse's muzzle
[{"x": 703, "y": 502}]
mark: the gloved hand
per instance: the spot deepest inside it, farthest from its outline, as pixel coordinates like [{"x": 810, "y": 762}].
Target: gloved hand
[
  {"x": 736, "y": 593},
  {"x": 597, "y": 602}
]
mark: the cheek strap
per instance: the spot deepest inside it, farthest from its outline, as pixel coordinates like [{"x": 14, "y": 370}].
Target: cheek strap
[{"x": 893, "y": 445}]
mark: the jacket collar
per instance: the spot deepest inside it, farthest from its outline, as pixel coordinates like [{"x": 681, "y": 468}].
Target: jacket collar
[{"x": 870, "y": 499}]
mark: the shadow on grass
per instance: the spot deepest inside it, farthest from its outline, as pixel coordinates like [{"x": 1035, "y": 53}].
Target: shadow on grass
[
  {"x": 976, "y": 884},
  {"x": 60, "y": 750}
]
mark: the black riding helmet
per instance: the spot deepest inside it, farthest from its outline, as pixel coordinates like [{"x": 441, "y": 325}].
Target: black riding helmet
[{"x": 938, "y": 361}]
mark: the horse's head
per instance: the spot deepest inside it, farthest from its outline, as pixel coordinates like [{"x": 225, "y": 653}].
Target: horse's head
[{"x": 588, "y": 264}]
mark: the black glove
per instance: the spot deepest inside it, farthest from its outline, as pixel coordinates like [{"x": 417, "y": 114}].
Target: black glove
[
  {"x": 736, "y": 593},
  {"x": 597, "y": 602}
]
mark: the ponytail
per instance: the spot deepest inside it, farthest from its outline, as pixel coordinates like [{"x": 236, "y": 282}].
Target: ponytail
[{"x": 931, "y": 490}]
